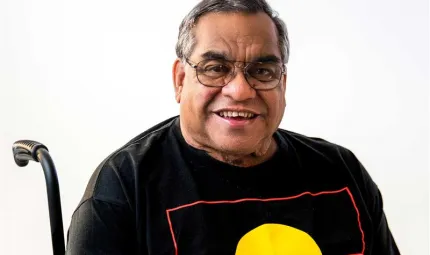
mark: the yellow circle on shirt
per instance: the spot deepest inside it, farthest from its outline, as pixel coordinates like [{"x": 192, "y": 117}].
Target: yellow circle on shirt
[{"x": 277, "y": 239}]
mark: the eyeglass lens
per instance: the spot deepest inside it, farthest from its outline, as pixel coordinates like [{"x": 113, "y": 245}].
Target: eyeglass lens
[{"x": 215, "y": 72}]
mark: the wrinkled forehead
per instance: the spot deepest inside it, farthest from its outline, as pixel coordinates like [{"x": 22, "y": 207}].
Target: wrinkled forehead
[{"x": 240, "y": 37}]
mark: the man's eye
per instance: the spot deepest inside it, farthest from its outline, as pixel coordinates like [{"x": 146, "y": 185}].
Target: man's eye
[
  {"x": 262, "y": 71},
  {"x": 216, "y": 69}
]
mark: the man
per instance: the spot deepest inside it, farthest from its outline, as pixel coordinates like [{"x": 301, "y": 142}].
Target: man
[{"x": 222, "y": 177}]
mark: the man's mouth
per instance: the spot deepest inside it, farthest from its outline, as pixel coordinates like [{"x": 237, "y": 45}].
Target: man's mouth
[{"x": 237, "y": 115}]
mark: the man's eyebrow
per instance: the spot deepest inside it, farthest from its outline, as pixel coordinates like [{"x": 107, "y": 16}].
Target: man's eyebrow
[
  {"x": 214, "y": 55},
  {"x": 268, "y": 58},
  {"x": 219, "y": 55}
]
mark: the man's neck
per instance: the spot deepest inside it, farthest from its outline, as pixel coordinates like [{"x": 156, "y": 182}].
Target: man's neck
[{"x": 246, "y": 160}]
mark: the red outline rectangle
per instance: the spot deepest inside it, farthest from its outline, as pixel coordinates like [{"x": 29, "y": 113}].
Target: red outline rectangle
[{"x": 268, "y": 200}]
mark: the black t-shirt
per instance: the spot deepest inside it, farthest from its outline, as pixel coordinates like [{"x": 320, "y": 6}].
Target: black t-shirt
[{"x": 157, "y": 195}]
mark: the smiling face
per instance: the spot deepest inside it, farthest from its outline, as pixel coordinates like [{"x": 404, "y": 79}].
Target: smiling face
[{"x": 234, "y": 121}]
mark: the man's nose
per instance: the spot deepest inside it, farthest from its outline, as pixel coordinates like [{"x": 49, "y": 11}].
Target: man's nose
[{"x": 238, "y": 88}]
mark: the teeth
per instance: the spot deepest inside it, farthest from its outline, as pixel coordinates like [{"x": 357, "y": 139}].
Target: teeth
[{"x": 236, "y": 114}]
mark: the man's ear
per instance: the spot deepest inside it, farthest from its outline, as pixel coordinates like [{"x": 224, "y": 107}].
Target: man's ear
[
  {"x": 284, "y": 82},
  {"x": 178, "y": 78}
]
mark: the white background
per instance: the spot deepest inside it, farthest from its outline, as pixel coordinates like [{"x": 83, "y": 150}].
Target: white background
[{"x": 84, "y": 77}]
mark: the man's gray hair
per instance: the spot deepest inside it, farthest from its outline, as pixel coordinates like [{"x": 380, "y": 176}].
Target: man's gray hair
[{"x": 186, "y": 38}]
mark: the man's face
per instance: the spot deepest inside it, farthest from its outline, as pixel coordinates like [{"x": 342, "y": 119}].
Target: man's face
[{"x": 204, "y": 110}]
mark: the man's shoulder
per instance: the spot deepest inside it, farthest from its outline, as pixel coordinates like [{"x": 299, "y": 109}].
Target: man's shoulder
[
  {"x": 152, "y": 134},
  {"x": 119, "y": 169},
  {"x": 325, "y": 158},
  {"x": 141, "y": 144},
  {"x": 315, "y": 150},
  {"x": 304, "y": 143}
]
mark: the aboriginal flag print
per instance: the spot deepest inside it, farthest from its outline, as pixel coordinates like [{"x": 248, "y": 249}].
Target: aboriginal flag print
[{"x": 326, "y": 222}]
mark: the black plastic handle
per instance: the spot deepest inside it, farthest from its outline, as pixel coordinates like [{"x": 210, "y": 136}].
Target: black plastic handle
[{"x": 23, "y": 152}]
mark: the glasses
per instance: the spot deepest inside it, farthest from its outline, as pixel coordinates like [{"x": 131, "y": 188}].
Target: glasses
[{"x": 219, "y": 72}]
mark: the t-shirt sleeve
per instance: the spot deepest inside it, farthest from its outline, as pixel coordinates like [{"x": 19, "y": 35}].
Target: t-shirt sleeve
[
  {"x": 383, "y": 240},
  {"x": 100, "y": 227},
  {"x": 104, "y": 223}
]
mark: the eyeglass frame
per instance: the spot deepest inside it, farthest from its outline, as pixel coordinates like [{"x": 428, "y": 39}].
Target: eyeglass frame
[{"x": 246, "y": 65}]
